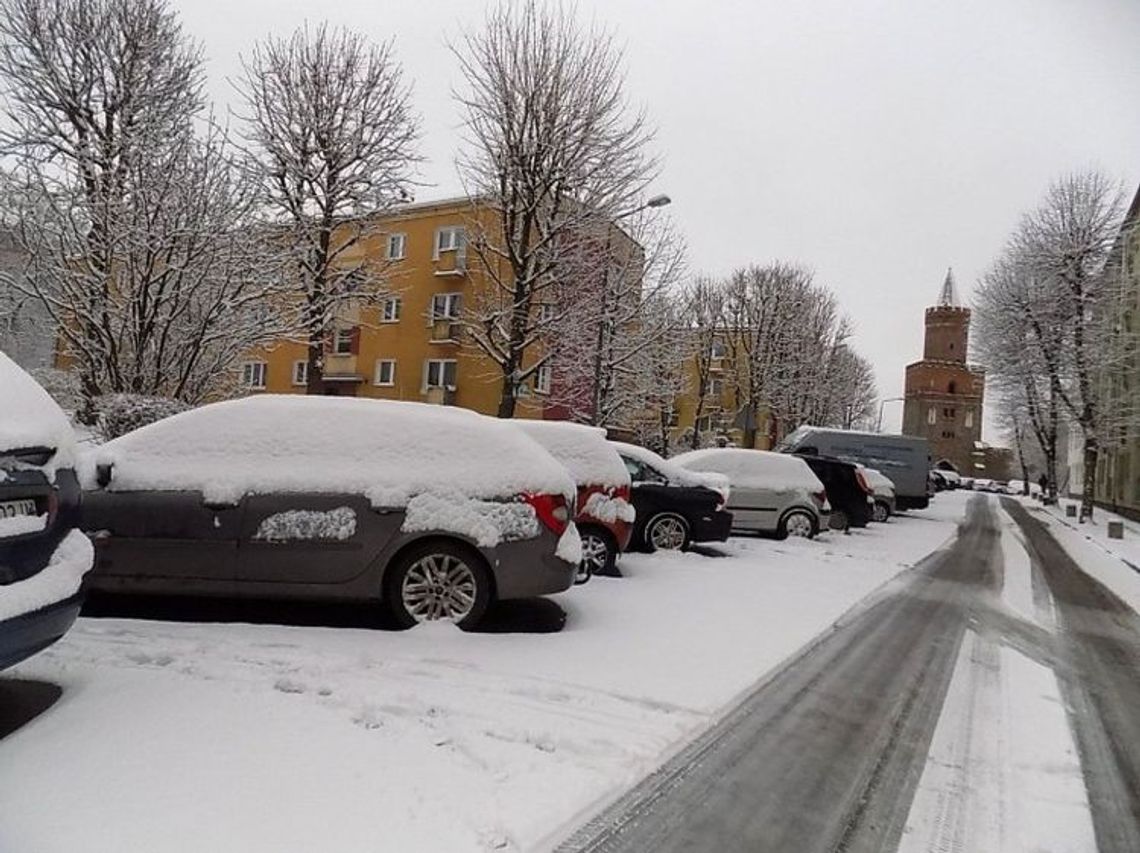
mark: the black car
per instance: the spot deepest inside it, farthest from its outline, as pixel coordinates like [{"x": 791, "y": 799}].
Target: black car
[
  {"x": 847, "y": 491},
  {"x": 43, "y": 556},
  {"x": 674, "y": 506}
]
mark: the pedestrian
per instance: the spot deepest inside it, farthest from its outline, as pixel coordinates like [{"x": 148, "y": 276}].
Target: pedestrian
[{"x": 1043, "y": 482}]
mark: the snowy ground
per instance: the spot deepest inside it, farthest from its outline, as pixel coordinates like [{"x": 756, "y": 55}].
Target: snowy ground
[
  {"x": 1113, "y": 562},
  {"x": 175, "y": 736}
]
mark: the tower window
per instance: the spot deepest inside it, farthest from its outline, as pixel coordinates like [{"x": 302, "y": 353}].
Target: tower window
[
  {"x": 953, "y": 387},
  {"x": 932, "y": 415}
]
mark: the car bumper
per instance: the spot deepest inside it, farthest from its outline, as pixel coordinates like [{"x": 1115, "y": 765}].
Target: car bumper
[
  {"x": 712, "y": 527},
  {"x": 24, "y": 635},
  {"x": 529, "y": 567}
]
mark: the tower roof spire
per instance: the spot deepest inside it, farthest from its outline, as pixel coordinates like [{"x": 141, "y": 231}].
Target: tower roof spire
[{"x": 949, "y": 294}]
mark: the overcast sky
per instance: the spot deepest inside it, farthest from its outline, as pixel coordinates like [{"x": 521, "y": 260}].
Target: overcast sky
[{"x": 876, "y": 142}]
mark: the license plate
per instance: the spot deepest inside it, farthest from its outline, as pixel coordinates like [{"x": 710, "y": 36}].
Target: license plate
[{"x": 10, "y": 509}]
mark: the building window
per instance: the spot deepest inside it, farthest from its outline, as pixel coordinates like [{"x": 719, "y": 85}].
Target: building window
[
  {"x": 718, "y": 349},
  {"x": 439, "y": 373},
  {"x": 948, "y": 413},
  {"x": 253, "y": 375},
  {"x": 391, "y": 310},
  {"x": 716, "y": 387},
  {"x": 445, "y": 306},
  {"x": 953, "y": 387},
  {"x": 397, "y": 243},
  {"x": 301, "y": 372},
  {"x": 542, "y": 379},
  {"x": 342, "y": 341},
  {"x": 449, "y": 239},
  {"x": 385, "y": 372},
  {"x": 932, "y": 415},
  {"x": 969, "y": 418}
]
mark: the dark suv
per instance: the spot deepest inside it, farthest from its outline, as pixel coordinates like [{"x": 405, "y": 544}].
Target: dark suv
[
  {"x": 848, "y": 491},
  {"x": 43, "y": 556}
]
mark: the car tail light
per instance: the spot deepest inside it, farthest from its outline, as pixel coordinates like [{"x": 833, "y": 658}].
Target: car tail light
[
  {"x": 551, "y": 510},
  {"x": 820, "y": 499},
  {"x": 864, "y": 484}
]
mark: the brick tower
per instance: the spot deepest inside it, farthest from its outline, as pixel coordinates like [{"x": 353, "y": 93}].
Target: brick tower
[{"x": 943, "y": 401}]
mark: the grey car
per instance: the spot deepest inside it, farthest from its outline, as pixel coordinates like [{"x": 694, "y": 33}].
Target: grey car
[
  {"x": 772, "y": 493},
  {"x": 199, "y": 504}
]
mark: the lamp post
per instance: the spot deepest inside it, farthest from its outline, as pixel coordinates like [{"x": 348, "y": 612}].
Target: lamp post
[
  {"x": 883, "y": 403},
  {"x": 605, "y": 333}
]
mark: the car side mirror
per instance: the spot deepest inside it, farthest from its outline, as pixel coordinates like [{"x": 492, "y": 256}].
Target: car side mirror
[{"x": 103, "y": 474}]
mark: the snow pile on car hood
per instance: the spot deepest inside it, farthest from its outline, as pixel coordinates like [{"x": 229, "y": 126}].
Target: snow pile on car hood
[
  {"x": 753, "y": 469},
  {"x": 29, "y": 417},
  {"x": 677, "y": 475},
  {"x": 589, "y": 458},
  {"x": 386, "y": 451}
]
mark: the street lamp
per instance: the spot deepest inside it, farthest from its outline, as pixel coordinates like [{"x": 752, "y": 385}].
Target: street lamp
[{"x": 883, "y": 403}]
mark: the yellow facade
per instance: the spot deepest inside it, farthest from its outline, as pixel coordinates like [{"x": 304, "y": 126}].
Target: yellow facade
[
  {"x": 719, "y": 415},
  {"x": 418, "y": 271}
]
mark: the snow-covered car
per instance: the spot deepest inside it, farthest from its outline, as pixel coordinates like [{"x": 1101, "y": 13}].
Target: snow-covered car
[
  {"x": 882, "y": 493},
  {"x": 769, "y": 492},
  {"x": 605, "y": 515},
  {"x": 433, "y": 510},
  {"x": 675, "y": 506},
  {"x": 43, "y": 555}
]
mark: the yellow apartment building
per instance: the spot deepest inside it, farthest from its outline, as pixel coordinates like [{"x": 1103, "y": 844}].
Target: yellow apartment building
[{"x": 411, "y": 346}]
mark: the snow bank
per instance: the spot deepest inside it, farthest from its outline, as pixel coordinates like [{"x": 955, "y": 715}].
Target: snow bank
[
  {"x": 59, "y": 580},
  {"x": 589, "y": 458},
  {"x": 308, "y": 525},
  {"x": 387, "y": 451},
  {"x": 753, "y": 469},
  {"x": 676, "y": 474},
  {"x": 31, "y": 418},
  {"x": 486, "y": 522},
  {"x": 609, "y": 509}
]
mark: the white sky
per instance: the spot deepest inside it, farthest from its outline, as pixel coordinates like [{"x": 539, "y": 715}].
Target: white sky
[{"x": 876, "y": 141}]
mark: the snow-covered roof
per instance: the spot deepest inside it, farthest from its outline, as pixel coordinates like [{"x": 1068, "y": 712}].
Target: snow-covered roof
[
  {"x": 752, "y": 469},
  {"x": 386, "y": 451},
  {"x": 29, "y": 417},
  {"x": 676, "y": 474},
  {"x": 589, "y": 458}
]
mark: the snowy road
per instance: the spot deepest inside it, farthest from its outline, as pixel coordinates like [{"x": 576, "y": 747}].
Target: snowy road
[{"x": 986, "y": 701}]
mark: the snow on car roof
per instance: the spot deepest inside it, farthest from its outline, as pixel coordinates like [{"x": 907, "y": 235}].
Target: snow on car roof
[
  {"x": 757, "y": 469},
  {"x": 29, "y": 417},
  {"x": 675, "y": 473},
  {"x": 387, "y": 451},
  {"x": 589, "y": 458}
]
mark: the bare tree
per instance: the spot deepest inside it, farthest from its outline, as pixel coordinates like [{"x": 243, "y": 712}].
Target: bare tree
[
  {"x": 134, "y": 228},
  {"x": 554, "y": 154},
  {"x": 660, "y": 365},
  {"x": 706, "y": 312},
  {"x": 330, "y": 127}
]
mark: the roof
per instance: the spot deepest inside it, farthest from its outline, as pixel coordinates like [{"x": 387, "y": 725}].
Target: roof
[{"x": 948, "y": 296}]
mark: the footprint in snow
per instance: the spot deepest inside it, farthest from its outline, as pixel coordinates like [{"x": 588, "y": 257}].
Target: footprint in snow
[
  {"x": 288, "y": 685},
  {"x": 144, "y": 659}
]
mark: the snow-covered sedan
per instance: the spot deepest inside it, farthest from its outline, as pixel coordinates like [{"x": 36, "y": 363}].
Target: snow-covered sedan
[
  {"x": 434, "y": 510},
  {"x": 43, "y": 555},
  {"x": 674, "y": 506},
  {"x": 773, "y": 493},
  {"x": 605, "y": 515}
]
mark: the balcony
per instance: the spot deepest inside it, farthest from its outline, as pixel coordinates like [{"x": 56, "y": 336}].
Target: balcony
[
  {"x": 440, "y": 395},
  {"x": 445, "y": 331},
  {"x": 451, "y": 263}
]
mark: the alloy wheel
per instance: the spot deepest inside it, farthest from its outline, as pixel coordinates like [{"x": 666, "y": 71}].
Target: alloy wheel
[
  {"x": 879, "y": 513},
  {"x": 439, "y": 586},
  {"x": 798, "y": 524},
  {"x": 668, "y": 534}
]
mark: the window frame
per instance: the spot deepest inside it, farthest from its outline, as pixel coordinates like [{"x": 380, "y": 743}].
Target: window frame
[
  {"x": 454, "y": 299},
  {"x": 258, "y": 367},
  {"x": 401, "y": 238},
  {"x": 391, "y": 373},
  {"x": 456, "y": 244},
  {"x": 391, "y": 300},
  {"x": 348, "y": 334},
  {"x": 542, "y": 379},
  {"x": 442, "y": 378},
  {"x": 304, "y": 365}
]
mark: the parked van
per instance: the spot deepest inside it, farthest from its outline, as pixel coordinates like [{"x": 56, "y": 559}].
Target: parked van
[{"x": 905, "y": 459}]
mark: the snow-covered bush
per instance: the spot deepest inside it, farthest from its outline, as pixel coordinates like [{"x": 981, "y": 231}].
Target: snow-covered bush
[{"x": 123, "y": 413}]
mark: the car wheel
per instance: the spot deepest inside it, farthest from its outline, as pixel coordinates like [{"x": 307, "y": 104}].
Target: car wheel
[
  {"x": 797, "y": 523},
  {"x": 439, "y": 581},
  {"x": 838, "y": 520},
  {"x": 880, "y": 512},
  {"x": 667, "y": 531},
  {"x": 599, "y": 553}
]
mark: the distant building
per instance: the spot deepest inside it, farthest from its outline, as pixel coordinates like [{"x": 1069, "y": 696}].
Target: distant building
[
  {"x": 943, "y": 398},
  {"x": 27, "y": 334}
]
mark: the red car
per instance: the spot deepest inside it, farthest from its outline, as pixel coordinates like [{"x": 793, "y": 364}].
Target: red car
[{"x": 605, "y": 515}]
